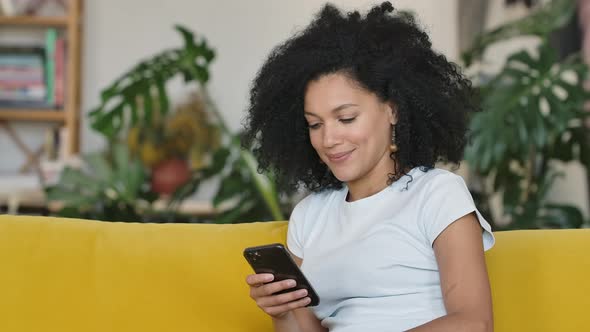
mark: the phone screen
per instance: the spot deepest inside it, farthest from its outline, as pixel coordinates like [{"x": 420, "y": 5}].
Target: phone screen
[{"x": 275, "y": 259}]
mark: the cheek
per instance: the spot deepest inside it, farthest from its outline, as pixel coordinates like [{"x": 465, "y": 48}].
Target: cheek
[
  {"x": 362, "y": 133},
  {"x": 315, "y": 140},
  {"x": 375, "y": 136}
]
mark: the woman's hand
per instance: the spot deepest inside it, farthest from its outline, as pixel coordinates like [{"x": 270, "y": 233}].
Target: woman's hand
[{"x": 262, "y": 289}]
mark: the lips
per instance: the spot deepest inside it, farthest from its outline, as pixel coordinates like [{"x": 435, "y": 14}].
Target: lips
[{"x": 336, "y": 157}]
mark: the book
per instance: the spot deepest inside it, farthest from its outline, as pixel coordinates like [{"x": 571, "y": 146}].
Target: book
[
  {"x": 60, "y": 66},
  {"x": 22, "y": 76},
  {"x": 50, "y": 41}
]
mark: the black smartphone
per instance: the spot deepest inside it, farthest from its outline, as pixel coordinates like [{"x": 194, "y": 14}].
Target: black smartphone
[{"x": 275, "y": 259}]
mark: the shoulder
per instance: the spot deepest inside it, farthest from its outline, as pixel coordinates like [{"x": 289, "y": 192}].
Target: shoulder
[
  {"x": 440, "y": 175},
  {"x": 437, "y": 180},
  {"x": 441, "y": 191}
]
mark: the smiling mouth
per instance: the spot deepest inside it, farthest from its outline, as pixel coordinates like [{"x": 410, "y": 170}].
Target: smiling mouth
[{"x": 339, "y": 156}]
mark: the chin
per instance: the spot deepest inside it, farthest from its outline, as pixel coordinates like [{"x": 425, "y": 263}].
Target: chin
[{"x": 342, "y": 177}]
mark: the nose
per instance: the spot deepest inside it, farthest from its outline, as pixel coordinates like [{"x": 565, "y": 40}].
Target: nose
[{"x": 331, "y": 136}]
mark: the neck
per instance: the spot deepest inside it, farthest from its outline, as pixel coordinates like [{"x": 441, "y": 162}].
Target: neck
[
  {"x": 358, "y": 191},
  {"x": 374, "y": 181},
  {"x": 368, "y": 186}
]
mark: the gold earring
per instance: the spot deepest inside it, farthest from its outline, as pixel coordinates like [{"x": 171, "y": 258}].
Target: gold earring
[{"x": 393, "y": 147}]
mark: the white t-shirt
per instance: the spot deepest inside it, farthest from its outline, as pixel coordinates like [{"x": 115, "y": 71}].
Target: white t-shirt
[{"x": 371, "y": 261}]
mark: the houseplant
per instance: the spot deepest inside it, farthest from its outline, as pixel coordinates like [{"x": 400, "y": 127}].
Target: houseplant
[
  {"x": 533, "y": 116},
  {"x": 109, "y": 186},
  {"x": 138, "y": 96}
]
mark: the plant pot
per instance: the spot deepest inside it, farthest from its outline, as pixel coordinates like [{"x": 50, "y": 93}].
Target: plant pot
[{"x": 169, "y": 175}]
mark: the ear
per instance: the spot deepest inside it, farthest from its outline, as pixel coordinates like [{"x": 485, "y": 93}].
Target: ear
[{"x": 391, "y": 113}]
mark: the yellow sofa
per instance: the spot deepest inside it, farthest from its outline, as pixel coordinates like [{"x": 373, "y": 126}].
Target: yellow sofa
[{"x": 71, "y": 275}]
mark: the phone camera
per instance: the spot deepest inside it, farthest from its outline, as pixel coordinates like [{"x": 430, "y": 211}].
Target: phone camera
[{"x": 254, "y": 256}]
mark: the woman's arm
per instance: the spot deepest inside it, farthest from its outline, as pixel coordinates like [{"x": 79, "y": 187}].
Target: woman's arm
[
  {"x": 298, "y": 320},
  {"x": 464, "y": 279}
]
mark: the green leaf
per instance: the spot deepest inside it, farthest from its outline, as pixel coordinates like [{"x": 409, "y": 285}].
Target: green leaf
[
  {"x": 74, "y": 178},
  {"x": 562, "y": 216},
  {"x": 72, "y": 199},
  {"x": 234, "y": 214},
  {"x": 186, "y": 189},
  {"x": 540, "y": 132},
  {"x": 132, "y": 103},
  {"x": 109, "y": 92},
  {"x": 219, "y": 160},
  {"x": 546, "y": 181},
  {"x": 148, "y": 108},
  {"x": 121, "y": 158},
  {"x": 108, "y": 122},
  {"x": 263, "y": 184},
  {"x": 137, "y": 82},
  {"x": 231, "y": 186},
  {"x": 163, "y": 102},
  {"x": 99, "y": 166}
]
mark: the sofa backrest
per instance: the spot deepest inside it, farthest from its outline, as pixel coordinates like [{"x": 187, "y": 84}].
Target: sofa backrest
[
  {"x": 540, "y": 280},
  {"x": 71, "y": 275},
  {"x": 77, "y": 275}
]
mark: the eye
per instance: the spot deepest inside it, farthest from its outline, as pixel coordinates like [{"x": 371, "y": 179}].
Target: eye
[
  {"x": 347, "y": 120},
  {"x": 313, "y": 126}
]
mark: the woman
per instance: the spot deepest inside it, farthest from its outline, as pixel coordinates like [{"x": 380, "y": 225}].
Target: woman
[{"x": 358, "y": 109}]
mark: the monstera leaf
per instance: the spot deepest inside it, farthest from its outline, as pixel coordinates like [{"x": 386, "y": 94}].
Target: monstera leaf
[
  {"x": 530, "y": 106},
  {"x": 532, "y": 115},
  {"x": 137, "y": 94}
]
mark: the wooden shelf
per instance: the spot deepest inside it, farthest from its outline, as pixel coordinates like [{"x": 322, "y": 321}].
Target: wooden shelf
[
  {"x": 38, "y": 21},
  {"x": 32, "y": 115},
  {"x": 70, "y": 28}
]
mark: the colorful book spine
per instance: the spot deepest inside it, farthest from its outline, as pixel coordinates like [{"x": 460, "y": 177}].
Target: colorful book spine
[
  {"x": 60, "y": 66},
  {"x": 22, "y": 81},
  {"x": 50, "y": 42}
]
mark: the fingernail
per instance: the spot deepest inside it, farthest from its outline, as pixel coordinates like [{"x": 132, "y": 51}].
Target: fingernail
[
  {"x": 269, "y": 277},
  {"x": 302, "y": 292},
  {"x": 291, "y": 283}
]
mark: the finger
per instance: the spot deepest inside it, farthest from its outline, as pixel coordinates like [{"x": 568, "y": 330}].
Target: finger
[
  {"x": 274, "y": 287},
  {"x": 259, "y": 279},
  {"x": 277, "y": 310},
  {"x": 276, "y": 300}
]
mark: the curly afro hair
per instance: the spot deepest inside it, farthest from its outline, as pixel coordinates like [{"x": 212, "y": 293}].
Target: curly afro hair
[{"x": 387, "y": 54}]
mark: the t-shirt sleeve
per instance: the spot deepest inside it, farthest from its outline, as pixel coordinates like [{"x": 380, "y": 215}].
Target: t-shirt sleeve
[
  {"x": 447, "y": 200},
  {"x": 296, "y": 228}
]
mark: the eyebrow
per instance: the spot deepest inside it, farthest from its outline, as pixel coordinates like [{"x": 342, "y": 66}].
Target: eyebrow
[{"x": 335, "y": 110}]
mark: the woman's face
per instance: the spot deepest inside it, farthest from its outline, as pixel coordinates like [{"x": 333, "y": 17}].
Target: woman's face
[{"x": 350, "y": 129}]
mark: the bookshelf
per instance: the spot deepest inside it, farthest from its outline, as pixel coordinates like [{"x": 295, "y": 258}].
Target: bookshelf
[
  {"x": 25, "y": 189},
  {"x": 39, "y": 21},
  {"x": 8, "y": 114},
  {"x": 68, "y": 115}
]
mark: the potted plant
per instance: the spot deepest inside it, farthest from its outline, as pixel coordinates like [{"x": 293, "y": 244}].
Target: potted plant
[
  {"x": 138, "y": 99},
  {"x": 532, "y": 116}
]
